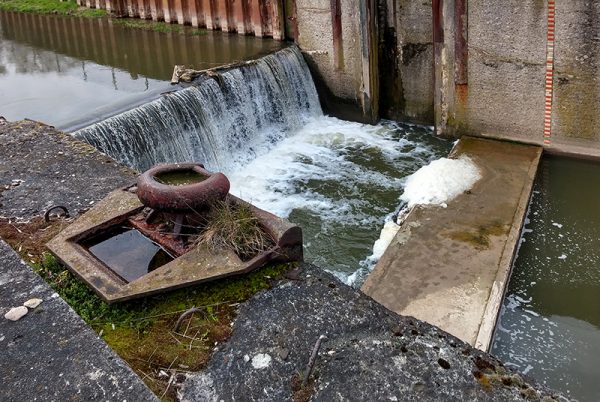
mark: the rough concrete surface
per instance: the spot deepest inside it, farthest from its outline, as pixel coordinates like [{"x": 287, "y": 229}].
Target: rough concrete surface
[
  {"x": 504, "y": 96},
  {"x": 371, "y": 353},
  {"x": 449, "y": 266},
  {"x": 41, "y": 167},
  {"x": 51, "y": 354}
]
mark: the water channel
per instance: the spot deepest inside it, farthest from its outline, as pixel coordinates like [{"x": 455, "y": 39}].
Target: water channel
[
  {"x": 339, "y": 180},
  {"x": 549, "y": 326},
  {"x": 68, "y": 71}
]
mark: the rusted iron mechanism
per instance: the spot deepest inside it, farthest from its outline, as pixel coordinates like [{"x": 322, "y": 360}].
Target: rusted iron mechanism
[
  {"x": 177, "y": 226},
  {"x": 181, "y": 192}
]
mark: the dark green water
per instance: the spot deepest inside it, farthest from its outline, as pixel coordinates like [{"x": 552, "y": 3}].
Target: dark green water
[
  {"x": 549, "y": 326},
  {"x": 127, "y": 252},
  {"x": 179, "y": 177},
  {"x": 68, "y": 71}
]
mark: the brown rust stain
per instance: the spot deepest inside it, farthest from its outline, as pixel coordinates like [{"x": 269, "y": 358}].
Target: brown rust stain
[{"x": 480, "y": 238}]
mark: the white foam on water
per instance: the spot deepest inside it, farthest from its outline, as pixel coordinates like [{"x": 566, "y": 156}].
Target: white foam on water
[
  {"x": 440, "y": 181},
  {"x": 281, "y": 180},
  {"x": 273, "y": 181},
  {"x": 437, "y": 183}
]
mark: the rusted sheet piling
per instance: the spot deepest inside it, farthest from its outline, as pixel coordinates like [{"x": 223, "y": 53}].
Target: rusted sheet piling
[{"x": 246, "y": 17}]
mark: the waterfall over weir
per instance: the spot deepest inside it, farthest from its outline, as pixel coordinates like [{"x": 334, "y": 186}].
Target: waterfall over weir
[{"x": 222, "y": 122}]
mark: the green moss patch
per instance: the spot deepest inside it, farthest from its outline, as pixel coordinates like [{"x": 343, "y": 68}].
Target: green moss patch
[{"x": 158, "y": 26}]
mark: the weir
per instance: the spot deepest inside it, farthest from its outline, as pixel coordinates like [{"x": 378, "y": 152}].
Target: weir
[{"x": 222, "y": 122}]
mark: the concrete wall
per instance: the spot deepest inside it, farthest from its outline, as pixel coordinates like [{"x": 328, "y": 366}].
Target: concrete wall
[
  {"x": 406, "y": 60},
  {"x": 246, "y": 17},
  {"x": 336, "y": 40},
  {"x": 504, "y": 93}
]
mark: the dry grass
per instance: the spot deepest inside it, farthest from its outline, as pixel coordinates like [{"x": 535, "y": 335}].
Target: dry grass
[{"x": 235, "y": 227}]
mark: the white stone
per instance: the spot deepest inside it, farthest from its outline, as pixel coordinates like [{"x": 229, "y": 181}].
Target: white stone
[
  {"x": 261, "y": 361},
  {"x": 33, "y": 303},
  {"x": 16, "y": 313}
]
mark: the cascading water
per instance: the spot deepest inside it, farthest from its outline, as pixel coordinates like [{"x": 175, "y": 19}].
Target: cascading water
[
  {"x": 223, "y": 122},
  {"x": 263, "y": 126}
]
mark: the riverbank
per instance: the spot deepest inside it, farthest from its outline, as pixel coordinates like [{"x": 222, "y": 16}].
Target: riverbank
[
  {"x": 71, "y": 8},
  {"x": 68, "y": 7}
]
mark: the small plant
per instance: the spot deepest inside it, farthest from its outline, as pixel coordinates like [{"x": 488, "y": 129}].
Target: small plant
[{"x": 235, "y": 227}]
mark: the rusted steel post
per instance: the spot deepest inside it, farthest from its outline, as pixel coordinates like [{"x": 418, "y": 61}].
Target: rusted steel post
[
  {"x": 178, "y": 6},
  {"x": 461, "y": 49},
  {"x": 238, "y": 16},
  {"x": 210, "y": 14},
  {"x": 277, "y": 22},
  {"x": 220, "y": 17},
  {"x": 192, "y": 7},
  {"x": 256, "y": 18},
  {"x": 338, "y": 42},
  {"x": 166, "y": 9},
  {"x": 139, "y": 5},
  {"x": 438, "y": 48}
]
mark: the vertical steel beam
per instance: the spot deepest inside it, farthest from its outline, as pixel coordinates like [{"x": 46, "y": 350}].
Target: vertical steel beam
[
  {"x": 461, "y": 49},
  {"x": 338, "y": 42}
]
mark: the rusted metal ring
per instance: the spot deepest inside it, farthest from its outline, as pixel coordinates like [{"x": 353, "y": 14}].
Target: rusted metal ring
[
  {"x": 65, "y": 210},
  {"x": 181, "y": 198}
]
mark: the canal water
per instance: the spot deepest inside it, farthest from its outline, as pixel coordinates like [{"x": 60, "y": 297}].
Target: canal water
[
  {"x": 549, "y": 325},
  {"x": 68, "y": 71}
]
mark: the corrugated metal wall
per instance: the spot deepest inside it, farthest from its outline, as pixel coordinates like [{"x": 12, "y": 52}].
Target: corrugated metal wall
[{"x": 263, "y": 18}]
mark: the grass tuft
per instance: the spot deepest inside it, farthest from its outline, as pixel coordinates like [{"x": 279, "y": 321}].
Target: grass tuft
[
  {"x": 235, "y": 227},
  {"x": 68, "y": 7}
]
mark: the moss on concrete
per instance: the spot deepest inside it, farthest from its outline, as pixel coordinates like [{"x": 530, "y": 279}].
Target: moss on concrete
[{"x": 142, "y": 331}]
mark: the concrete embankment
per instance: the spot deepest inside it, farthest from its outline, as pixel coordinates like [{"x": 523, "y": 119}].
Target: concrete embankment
[
  {"x": 274, "y": 332},
  {"x": 449, "y": 266}
]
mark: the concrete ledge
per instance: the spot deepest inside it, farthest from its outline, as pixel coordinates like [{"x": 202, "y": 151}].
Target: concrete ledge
[
  {"x": 51, "y": 354},
  {"x": 449, "y": 266}
]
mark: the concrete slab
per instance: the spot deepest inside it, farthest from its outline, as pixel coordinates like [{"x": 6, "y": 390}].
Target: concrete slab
[
  {"x": 51, "y": 354},
  {"x": 449, "y": 266}
]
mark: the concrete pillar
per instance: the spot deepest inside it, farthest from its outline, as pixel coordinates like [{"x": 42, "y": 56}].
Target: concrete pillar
[{"x": 141, "y": 9}]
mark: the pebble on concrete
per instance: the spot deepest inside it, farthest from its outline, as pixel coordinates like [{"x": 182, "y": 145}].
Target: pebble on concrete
[
  {"x": 33, "y": 303},
  {"x": 16, "y": 313}
]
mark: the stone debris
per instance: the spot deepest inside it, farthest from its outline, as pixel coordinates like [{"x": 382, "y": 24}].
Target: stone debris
[
  {"x": 33, "y": 303},
  {"x": 261, "y": 361},
  {"x": 16, "y": 313}
]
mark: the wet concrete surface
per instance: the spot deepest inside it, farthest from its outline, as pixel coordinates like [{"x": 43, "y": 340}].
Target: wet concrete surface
[{"x": 449, "y": 266}]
